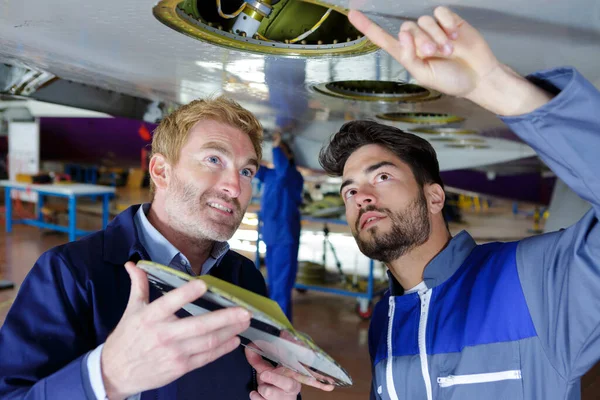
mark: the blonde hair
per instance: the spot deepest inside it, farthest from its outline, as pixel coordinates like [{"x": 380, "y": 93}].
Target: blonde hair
[{"x": 172, "y": 132}]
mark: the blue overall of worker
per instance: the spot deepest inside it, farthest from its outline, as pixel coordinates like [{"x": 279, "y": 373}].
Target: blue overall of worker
[{"x": 280, "y": 216}]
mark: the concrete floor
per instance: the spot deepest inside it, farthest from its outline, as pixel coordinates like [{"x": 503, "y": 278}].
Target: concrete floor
[{"x": 330, "y": 320}]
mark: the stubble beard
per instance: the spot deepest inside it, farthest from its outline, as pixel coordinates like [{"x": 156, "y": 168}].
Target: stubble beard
[{"x": 410, "y": 228}]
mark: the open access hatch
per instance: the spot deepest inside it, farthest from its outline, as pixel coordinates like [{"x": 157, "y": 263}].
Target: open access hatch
[{"x": 307, "y": 28}]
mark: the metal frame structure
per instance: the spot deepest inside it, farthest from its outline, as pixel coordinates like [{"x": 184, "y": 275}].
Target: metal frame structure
[{"x": 106, "y": 192}]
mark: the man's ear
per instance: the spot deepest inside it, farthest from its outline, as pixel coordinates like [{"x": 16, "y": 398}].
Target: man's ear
[
  {"x": 160, "y": 171},
  {"x": 435, "y": 197}
]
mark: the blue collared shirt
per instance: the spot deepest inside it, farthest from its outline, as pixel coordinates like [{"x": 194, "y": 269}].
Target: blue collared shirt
[{"x": 163, "y": 252}]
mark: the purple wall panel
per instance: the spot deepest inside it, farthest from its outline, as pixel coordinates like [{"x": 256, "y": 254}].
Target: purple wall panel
[
  {"x": 88, "y": 140},
  {"x": 530, "y": 187}
]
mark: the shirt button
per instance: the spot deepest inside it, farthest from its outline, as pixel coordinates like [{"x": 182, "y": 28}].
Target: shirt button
[{"x": 184, "y": 263}]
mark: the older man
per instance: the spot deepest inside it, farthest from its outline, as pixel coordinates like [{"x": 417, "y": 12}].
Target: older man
[{"x": 83, "y": 326}]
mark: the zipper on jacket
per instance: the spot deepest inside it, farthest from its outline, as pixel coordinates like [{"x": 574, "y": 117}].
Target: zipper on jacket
[
  {"x": 478, "y": 378},
  {"x": 424, "y": 296},
  {"x": 389, "y": 376}
]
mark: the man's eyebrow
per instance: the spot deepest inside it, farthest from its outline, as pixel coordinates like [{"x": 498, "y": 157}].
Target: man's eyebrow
[
  {"x": 254, "y": 162},
  {"x": 346, "y": 183},
  {"x": 368, "y": 170},
  {"x": 225, "y": 151},
  {"x": 375, "y": 167},
  {"x": 218, "y": 147}
]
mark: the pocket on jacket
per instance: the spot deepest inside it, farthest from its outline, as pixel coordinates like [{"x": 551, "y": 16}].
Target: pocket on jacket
[
  {"x": 479, "y": 372},
  {"x": 453, "y": 380}
]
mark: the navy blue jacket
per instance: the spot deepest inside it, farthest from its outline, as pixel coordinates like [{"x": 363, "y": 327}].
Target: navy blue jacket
[{"x": 73, "y": 298}]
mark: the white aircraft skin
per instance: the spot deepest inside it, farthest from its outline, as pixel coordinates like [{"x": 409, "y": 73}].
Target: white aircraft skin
[{"x": 119, "y": 45}]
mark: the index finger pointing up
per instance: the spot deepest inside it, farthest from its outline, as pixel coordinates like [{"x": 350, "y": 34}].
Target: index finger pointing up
[{"x": 371, "y": 30}]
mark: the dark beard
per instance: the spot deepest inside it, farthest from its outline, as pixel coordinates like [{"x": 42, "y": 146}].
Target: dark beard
[{"x": 410, "y": 228}]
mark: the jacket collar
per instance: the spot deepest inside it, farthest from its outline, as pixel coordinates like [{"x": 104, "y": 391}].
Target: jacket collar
[
  {"x": 121, "y": 240},
  {"x": 444, "y": 265}
]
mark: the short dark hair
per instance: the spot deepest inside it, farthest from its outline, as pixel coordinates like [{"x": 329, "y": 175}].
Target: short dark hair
[{"x": 411, "y": 149}]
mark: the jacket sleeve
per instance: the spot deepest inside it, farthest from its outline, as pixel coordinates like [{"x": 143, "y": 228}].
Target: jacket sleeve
[
  {"x": 560, "y": 271},
  {"x": 43, "y": 342},
  {"x": 281, "y": 163},
  {"x": 262, "y": 173}
]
